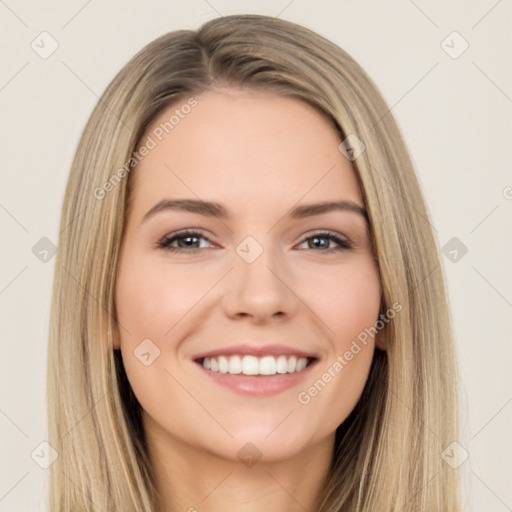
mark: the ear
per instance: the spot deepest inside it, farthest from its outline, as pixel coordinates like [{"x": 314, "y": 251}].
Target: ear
[{"x": 381, "y": 339}]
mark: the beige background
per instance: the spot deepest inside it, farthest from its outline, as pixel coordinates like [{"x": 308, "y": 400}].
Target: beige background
[{"x": 456, "y": 116}]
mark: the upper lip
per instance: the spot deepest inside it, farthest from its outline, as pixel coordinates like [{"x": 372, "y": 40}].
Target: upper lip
[{"x": 255, "y": 350}]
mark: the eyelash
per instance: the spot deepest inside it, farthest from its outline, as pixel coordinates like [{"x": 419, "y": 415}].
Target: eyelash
[{"x": 165, "y": 242}]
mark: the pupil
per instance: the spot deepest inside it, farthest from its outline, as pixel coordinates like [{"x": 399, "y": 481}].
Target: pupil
[
  {"x": 323, "y": 244},
  {"x": 188, "y": 239}
]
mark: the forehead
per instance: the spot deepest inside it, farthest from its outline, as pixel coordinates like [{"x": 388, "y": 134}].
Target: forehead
[{"x": 243, "y": 147}]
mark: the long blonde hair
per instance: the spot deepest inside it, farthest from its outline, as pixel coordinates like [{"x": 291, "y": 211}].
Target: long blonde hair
[{"x": 388, "y": 453}]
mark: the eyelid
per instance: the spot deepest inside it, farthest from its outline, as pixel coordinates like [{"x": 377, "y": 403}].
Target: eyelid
[
  {"x": 336, "y": 234},
  {"x": 343, "y": 241},
  {"x": 192, "y": 232}
]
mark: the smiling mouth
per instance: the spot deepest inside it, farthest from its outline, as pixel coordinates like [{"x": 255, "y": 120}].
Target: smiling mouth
[{"x": 256, "y": 366}]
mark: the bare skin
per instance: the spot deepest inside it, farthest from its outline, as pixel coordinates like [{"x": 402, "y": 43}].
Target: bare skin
[{"x": 260, "y": 155}]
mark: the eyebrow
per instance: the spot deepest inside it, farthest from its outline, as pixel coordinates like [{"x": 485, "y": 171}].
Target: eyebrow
[{"x": 213, "y": 209}]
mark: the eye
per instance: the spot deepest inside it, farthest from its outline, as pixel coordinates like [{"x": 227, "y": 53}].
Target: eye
[
  {"x": 187, "y": 241},
  {"x": 343, "y": 243},
  {"x": 188, "y": 237}
]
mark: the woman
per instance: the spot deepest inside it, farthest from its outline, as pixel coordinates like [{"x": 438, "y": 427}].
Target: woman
[{"x": 208, "y": 350}]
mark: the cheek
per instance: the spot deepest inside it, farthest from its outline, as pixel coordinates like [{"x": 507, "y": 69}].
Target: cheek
[
  {"x": 151, "y": 299},
  {"x": 151, "y": 302},
  {"x": 348, "y": 304},
  {"x": 347, "y": 301}
]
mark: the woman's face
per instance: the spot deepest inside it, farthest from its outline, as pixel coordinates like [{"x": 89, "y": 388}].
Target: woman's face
[{"x": 259, "y": 282}]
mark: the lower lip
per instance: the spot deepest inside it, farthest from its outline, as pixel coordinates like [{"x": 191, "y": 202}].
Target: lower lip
[{"x": 259, "y": 385}]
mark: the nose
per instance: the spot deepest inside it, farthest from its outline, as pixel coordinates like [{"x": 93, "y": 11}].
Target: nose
[{"x": 261, "y": 290}]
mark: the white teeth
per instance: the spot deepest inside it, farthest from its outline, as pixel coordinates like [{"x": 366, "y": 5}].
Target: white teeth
[
  {"x": 281, "y": 364},
  {"x": 252, "y": 365},
  {"x": 223, "y": 365},
  {"x": 235, "y": 365},
  {"x": 301, "y": 364},
  {"x": 268, "y": 365}
]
